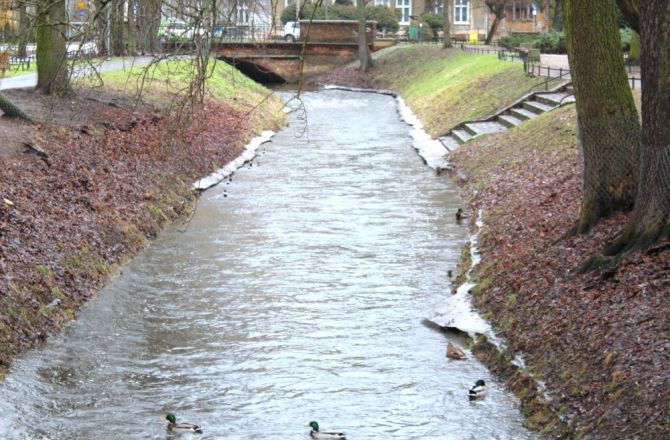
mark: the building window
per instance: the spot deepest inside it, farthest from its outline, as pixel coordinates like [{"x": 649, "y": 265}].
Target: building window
[
  {"x": 461, "y": 11},
  {"x": 288, "y": 2},
  {"x": 382, "y": 3},
  {"x": 405, "y": 7},
  {"x": 242, "y": 13},
  {"x": 438, "y": 8}
]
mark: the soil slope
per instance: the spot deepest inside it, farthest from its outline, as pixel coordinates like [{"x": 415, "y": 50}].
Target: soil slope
[{"x": 115, "y": 172}]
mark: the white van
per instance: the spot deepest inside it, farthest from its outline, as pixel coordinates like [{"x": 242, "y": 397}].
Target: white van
[{"x": 292, "y": 31}]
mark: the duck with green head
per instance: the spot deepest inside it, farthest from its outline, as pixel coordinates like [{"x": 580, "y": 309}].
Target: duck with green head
[
  {"x": 173, "y": 426},
  {"x": 460, "y": 214},
  {"x": 478, "y": 391},
  {"x": 324, "y": 435}
]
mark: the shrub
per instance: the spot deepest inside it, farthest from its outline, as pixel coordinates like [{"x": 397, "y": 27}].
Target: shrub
[
  {"x": 512, "y": 41},
  {"x": 626, "y": 35},
  {"x": 551, "y": 42},
  {"x": 384, "y": 16}
]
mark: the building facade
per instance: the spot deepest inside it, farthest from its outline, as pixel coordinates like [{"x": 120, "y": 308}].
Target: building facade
[{"x": 529, "y": 16}]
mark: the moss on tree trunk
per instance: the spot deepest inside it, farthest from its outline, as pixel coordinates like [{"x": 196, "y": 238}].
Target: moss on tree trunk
[
  {"x": 609, "y": 128},
  {"x": 51, "y": 52},
  {"x": 650, "y": 219}
]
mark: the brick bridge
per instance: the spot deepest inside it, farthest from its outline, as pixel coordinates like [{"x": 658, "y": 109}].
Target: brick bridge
[
  {"x": 280, "y": 62},
  {"x": 330, "y": 43}
]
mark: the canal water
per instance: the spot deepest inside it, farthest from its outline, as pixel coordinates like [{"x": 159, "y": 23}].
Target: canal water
[{"x": 296, "y": 294}]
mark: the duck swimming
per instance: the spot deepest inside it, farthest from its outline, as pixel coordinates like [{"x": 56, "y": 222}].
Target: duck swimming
[
  {"x": 330, "y": 435},
  {"x": 478, "y": 391},
  {"x": 460, "y": 214},
  {"x": 173, "y": 426}
]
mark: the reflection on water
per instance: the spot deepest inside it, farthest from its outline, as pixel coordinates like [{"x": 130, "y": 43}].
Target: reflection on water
[{"x": 296, "y": 294}]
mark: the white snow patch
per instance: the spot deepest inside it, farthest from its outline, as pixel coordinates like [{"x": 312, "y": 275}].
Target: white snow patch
[{"x": 248, "y": 154}]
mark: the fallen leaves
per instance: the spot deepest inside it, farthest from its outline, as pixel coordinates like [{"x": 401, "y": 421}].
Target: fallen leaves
[{"x": 562, "y": 322}]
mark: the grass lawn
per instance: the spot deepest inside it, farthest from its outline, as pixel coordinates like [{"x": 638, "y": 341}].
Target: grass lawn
[
  {"x": 447, "y": 87},
  {"x": 171, "y": 80},
  {"x": 17, "y": 70}
]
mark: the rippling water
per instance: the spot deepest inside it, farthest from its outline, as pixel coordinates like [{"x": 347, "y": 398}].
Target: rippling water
[{"x": 296, "y": 294}]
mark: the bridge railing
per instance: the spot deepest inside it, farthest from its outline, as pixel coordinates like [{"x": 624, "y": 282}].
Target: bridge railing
[{"x": 249, "y": 33}]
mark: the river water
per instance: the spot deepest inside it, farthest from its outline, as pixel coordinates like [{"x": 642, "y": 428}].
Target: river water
[{"x": 296, "y": 293}]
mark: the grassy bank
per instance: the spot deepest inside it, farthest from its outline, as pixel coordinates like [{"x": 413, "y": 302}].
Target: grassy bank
[
  {"x": 595, "y": 339},
  {"x": 117, "y": 170},
  {"x": 443, "y": 87}
]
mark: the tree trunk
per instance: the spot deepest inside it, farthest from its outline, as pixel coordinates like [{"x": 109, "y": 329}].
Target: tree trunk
[
  {"x": 25, "y": 31},
  {"x": 102, "y": 25},
  {"x": 631, "y": 13},
  {"x": 51, "y": 53},
  {"x": 364, "y": 56},
  {"x": 650, "y": 219},
  {"x": 131, "y": 48},
  {"x": 118, "y": 39},
  {"x": 609, "y": 128},
  {"x": 492, "y": 31},
  {"x": 446, "y": 38},
  {"x": 153, "y": 21},
  {"x": 556, "y": 21}
]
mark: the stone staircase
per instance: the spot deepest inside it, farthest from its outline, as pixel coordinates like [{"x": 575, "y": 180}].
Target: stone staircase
[{"x": 523, "y": 110}]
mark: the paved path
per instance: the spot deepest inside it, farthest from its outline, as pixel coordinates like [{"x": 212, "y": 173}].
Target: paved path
[{"x": 30, "y": 79}]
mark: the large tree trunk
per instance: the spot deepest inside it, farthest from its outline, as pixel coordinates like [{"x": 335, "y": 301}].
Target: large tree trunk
[
  {"x": 446, "y": 38},
  {"x": 650, "y": 219},
  {"x": 609, "y": 128},
  {"x": 364, "y": 56},
  {"x": 51, "y": 53}
]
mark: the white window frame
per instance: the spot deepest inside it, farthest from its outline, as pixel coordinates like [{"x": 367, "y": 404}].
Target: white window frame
[
  {"x": 242, "y": 12},
  {"x": 405, "y": 7},
  {"x": 460, "y": 6},
  {"x": 439, "y": 7},
  {"x": 382, "y": 3},
  {"x": 288, "y": 2}
]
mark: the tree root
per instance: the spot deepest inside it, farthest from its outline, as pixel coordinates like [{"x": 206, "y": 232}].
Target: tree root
[{"x": 10, "y": 110}]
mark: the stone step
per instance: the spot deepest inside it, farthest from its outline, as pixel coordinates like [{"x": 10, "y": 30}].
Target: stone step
[
  {"x": 449, "y": 142},
  {"x": 478, "y": 128},
  {"x": 522, "y": 113},
  {"x": 461, "y": 136},
  {"x": 509, "y": 120},
  {"x": 537, "y": 107},
  {"x": 554, "y": 99}
]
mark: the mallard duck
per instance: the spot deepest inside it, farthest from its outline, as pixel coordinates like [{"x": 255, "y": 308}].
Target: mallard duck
[
  {"x": 315, "y": 433},
  {"x": 173, "y": 426},
  {"x": 454, "y": 352},
  {"x": 478, "y": 391},
  {"x": 460, "y": 214}
]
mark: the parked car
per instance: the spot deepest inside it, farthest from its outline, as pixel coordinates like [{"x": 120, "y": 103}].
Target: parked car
[
  {"x": 292, "y": 31},
  {"x": 172, "y": 29}
]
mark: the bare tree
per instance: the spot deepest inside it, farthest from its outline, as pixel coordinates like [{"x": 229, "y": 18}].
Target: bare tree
[{"x": 497, "y": 8}]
